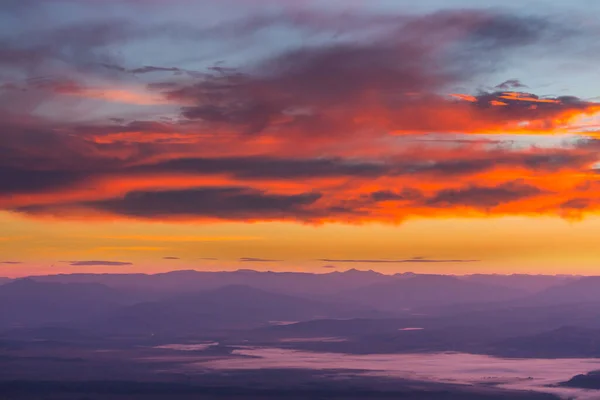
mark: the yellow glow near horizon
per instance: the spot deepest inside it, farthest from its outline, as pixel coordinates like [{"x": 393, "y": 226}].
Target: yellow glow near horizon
[{"x": 543, "y": 245}]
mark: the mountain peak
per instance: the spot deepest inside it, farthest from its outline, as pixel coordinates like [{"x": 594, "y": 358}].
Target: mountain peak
[
  {"x": 23, "y": 282},
  {"x": 359, "y": 271}
]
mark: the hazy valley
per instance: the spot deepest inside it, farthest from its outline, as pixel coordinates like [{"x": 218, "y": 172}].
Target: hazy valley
[{"x": 185, "y": 326}]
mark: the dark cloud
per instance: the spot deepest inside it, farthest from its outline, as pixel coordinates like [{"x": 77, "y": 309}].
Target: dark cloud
[
  {"x": 162, "y": 86},
  {"x": 401, "y": 261},
  {"x": 94, "y": 263},
  {"x": 544, "y": 160},
  {"x": 171, "y": 258},
  {"x": 11, "y": 262},
  {"x": 308, "y": 87},
  {"x": 146, "y": 69},
  {"x": 510, "y": 85},
  {"x": 16, "y": 180},
  {"x": 240, "y": 202},
  {"x": 271, "y": 167},
  {"x": 142, "y": 70},
  {"x": 390, "y": 195},
  {"x": 312, "y": 79},
  {"x": 514, "y": 106},
  {"x": 50, "y": 175},
  {"x": 311, "y": 102},
  {"x": 209, "y": 202},
  {"x": 576, "y": 204},
  {"x": 329, "y": 267},
  {"x": 35, "y": 151},
  {"x": 226, "y": 203},
  {"x": 483, "y": 197},
  {"x": 252, "y": 259}
]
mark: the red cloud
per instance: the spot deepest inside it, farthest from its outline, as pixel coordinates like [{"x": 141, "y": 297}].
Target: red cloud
[{"x": 328, "y": 132}]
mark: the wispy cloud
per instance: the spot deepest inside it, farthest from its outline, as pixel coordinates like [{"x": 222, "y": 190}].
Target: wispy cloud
[
  {"x": 253, "y": 259},
  {"x": 130, "y": 248},
  {"x": 174, "y": 238},
  {"x": 399, "y": 261},
  {"x": 97, "y": 263}
]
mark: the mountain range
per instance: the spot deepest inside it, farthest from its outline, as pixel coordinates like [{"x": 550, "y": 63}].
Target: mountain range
[{"x": 364, "y": 311}]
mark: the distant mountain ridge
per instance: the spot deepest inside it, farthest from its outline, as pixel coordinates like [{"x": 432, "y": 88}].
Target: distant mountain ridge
[
  {"x": 428, "y": 291},
  {"x": 582, "y": 290},
  {"x": 367, "y": 311},
  {"x": 299, "y": 283}
]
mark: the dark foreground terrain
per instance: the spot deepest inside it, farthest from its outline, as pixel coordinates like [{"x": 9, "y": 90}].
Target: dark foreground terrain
[
  {"x": 591, "y": 380},
  {"x": 251, "y": 335},
  {"x": 252, "y": 385}
]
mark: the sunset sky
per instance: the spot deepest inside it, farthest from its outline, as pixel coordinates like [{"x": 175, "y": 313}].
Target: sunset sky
[{"x": 452, "y": 136}]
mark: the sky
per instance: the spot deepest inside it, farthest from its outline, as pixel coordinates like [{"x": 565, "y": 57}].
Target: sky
[{"x": 453, "y": 136}]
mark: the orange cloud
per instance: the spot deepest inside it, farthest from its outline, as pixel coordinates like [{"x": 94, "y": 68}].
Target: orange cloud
[
  {"x": 340, "y": 131},
  {"x": 135, "y": 96},
  {"x": 154, "y": 238}
]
